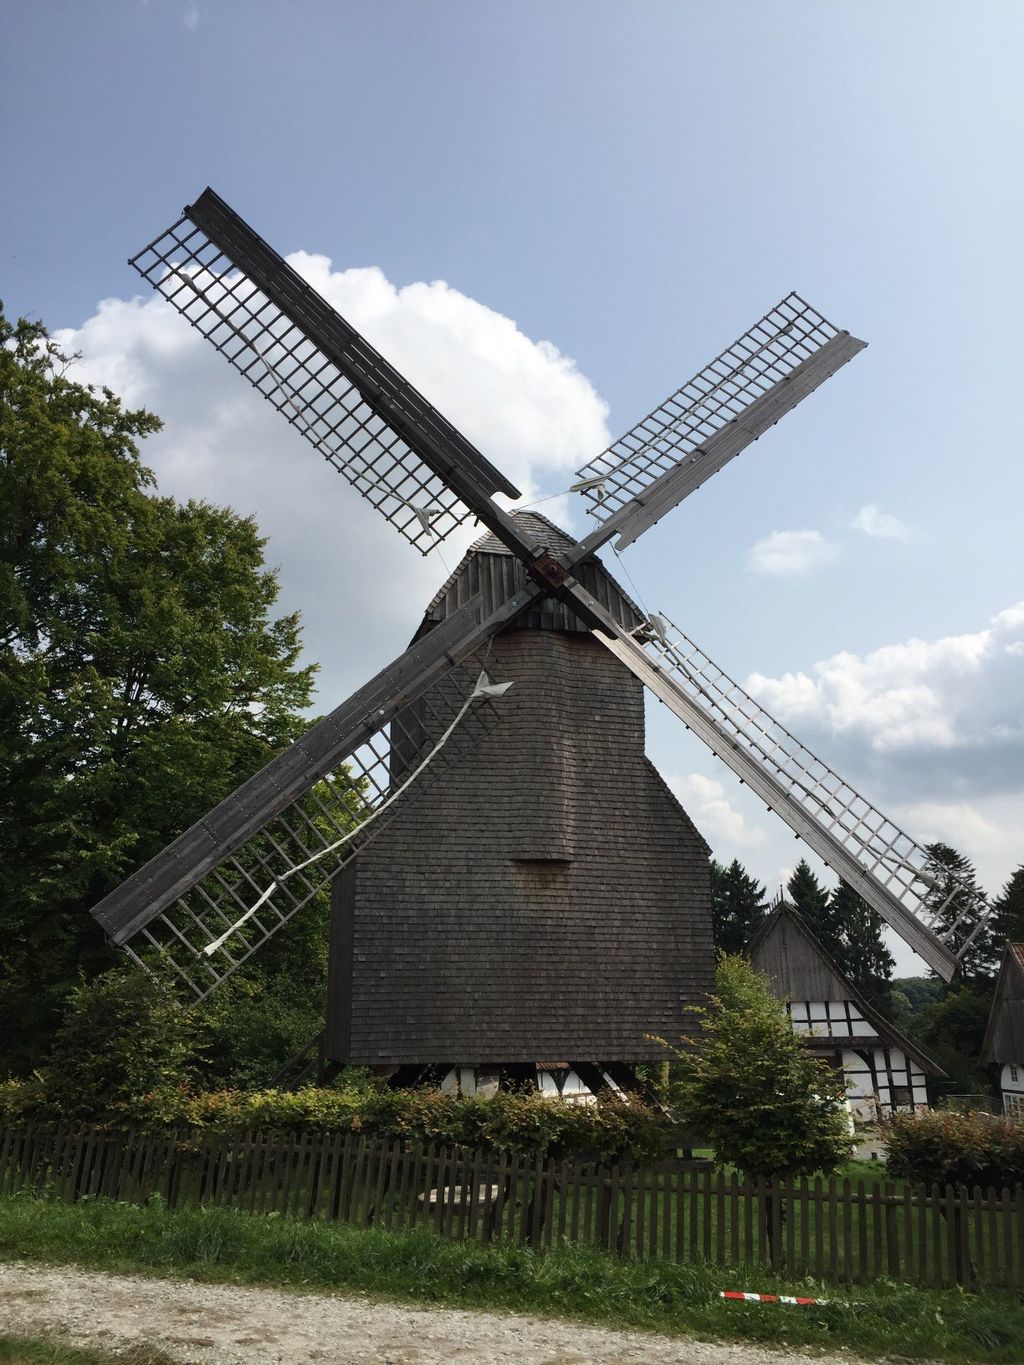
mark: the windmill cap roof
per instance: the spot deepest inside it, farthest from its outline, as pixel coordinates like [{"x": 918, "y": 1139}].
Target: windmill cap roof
[{"x": 505, "y": 575}]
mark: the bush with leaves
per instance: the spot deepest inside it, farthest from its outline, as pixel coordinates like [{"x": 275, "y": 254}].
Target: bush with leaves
[
  {"x": 121, "y": 1038},
  {"x": 525, "y": 1123},
  {"x": 945, "y": 1148},
  {"x": 752, "y": 1089}
]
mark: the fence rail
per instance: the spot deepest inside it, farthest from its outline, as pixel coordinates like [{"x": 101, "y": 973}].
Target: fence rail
[{"x": 673, "y": 1211}]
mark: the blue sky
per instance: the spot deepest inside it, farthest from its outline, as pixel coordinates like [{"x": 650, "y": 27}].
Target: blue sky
[{"x": 633, "y": 184}]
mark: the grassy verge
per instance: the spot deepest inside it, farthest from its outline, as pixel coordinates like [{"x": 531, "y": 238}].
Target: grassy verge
[
  {"x": 574, "y": 1282},
  {"x": 44, "y": 1351}
]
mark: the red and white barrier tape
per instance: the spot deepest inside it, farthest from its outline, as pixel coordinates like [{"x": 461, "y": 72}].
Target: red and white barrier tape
[{"x": 767, "y": 1298}]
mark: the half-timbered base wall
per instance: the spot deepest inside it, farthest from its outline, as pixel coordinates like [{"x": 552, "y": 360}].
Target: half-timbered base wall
[
  {"x": 1011, "y": 1084},
  {"x": 880, "y": 1080}
]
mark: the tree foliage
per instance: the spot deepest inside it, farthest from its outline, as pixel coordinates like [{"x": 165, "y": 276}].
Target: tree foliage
[
  {"x": 952, "y": 1029},
  {"x": 808, "y": 895},
  {"x": 737, "y": 905},
  {"x": 957, "y": 889},
  {"x": 122, "y": 1038},
  {"x": 752, "y": 1089},
  {"x": 945, "y": 1148},
  {"x": 142, "y": 673},
  {"x": 855, "y": 940},
  {"x": 1007, "y": 922},
  {"x": 848, "y": 929}
]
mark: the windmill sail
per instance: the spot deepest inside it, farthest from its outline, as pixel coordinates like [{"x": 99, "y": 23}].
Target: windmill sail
[
  {"x": 763, "y": 375},
  {"x": 222, "y": 889},
  {"x": 888, "y": 868},
  {"x": 366, "y": 420}
]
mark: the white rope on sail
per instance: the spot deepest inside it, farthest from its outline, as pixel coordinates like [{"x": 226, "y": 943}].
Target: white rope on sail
[{"x": 483, "y": 690}]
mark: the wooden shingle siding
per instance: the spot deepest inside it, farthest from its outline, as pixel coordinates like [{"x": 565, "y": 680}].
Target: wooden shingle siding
[{"x": 550, "y": 898}]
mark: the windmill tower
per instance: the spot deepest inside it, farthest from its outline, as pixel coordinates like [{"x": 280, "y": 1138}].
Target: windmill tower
[
  {"x": 345, "y": 805},
  {"x": 551, "y": 899}
]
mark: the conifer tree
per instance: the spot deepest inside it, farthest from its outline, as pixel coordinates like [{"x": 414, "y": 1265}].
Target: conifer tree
[
  {"x": 857, "y": 943},
  {"x": 808, "y": 895},
  {"x": 1007, "y": 922},
  {"x": 738, "y": 906},
  {"x": 955, "y": 875}
]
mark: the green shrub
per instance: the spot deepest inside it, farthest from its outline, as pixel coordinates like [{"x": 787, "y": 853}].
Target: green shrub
[
  {"x": 749, "y": 1084},
  {"x": 528, "y": 1124},
  {"x": 944, "y": 1148}
]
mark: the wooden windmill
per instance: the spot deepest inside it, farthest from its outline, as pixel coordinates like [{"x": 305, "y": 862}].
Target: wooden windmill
[{"x": 548, "y": 897}]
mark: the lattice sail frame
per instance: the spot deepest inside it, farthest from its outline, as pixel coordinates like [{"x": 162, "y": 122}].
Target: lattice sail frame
[
  {"x": 886, "y": 853},
  {"x": 290, "y": 372},
  {"x": 789, "y": 334},
  {"x": 218, "y": 908}
]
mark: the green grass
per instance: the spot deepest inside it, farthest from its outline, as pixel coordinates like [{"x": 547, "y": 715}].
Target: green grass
[
  {"x": 15, "y": 1350},
  {"x": 573, "y": 1282}
]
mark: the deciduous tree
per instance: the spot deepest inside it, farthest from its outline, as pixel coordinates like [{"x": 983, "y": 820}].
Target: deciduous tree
[
  {"x": 752, "y": 1089},
  {"x": 143, "y": 674}
]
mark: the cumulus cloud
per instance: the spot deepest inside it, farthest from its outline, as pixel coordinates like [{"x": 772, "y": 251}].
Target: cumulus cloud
[
  {"x": 791, "y": 552},
  {"x": 878, "y": 524},
  {"x": 707, "y": 803},
  {"x": 360, "y": 586},
  {"x": 944, "y": 710}
]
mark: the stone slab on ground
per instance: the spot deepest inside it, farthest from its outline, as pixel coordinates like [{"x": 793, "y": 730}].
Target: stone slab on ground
[{"x": 213, "y": 1324}]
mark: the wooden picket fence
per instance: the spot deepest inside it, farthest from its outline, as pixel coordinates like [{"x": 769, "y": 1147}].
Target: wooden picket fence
[{"x": 674, "y": 1211}]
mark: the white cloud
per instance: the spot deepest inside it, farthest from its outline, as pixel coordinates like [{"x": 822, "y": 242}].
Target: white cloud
[
  {"x": 360, "y": 586},
  {"x": 725, "y": 828},
  {"x": 190, "y": 19},
  {"x": 881, "y": 525},
  {"x": 791, "y": 552},
  {"x": 961, "y": 692}
]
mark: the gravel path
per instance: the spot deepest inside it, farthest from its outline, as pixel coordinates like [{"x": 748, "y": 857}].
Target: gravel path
[{"x": 227, "y": 1325}]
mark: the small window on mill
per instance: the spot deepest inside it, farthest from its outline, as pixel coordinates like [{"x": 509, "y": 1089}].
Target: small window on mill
[{"x": 540, "y": 877}]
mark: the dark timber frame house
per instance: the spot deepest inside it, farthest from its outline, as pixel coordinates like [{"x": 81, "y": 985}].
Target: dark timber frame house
[
  {"x": 885, "y": 1071},
  {"x": 1004, "y": 1036}
]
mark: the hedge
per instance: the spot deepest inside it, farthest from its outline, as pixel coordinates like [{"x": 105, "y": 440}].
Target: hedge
[
  {"x": 945, "y": 1148},
  {"x": 528, "y": 1124}
]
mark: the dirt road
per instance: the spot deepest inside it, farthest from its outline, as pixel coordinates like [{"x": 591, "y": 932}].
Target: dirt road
[{"x": 227, "y": 1325}]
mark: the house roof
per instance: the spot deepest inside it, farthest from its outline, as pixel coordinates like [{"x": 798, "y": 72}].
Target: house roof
[
  {"x": 800, "y": 967},
  {"x": 491, "y": 570},
  {"x": 1004, "y": 1034}
]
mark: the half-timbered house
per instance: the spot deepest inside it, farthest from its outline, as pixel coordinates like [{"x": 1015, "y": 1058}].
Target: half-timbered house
[
  {"x": 885, "y": 1071},
  {"x": 1004, "y": 1037}
]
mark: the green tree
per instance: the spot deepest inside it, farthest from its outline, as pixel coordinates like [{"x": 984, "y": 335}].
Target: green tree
[
  {"x": 122, "y": 1038},
  {"x": 954, "y": 890},
  {"x": 752, "y": 1089},
  {"x": 1007, "y": 922},
  {"x": 856, "y": 942},
  {"x": 737, "y": 905},
  {"x": 143, "y": 675},
  {"x": 808, "y": 895},
  {"x": 952, "y": 1029}
]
